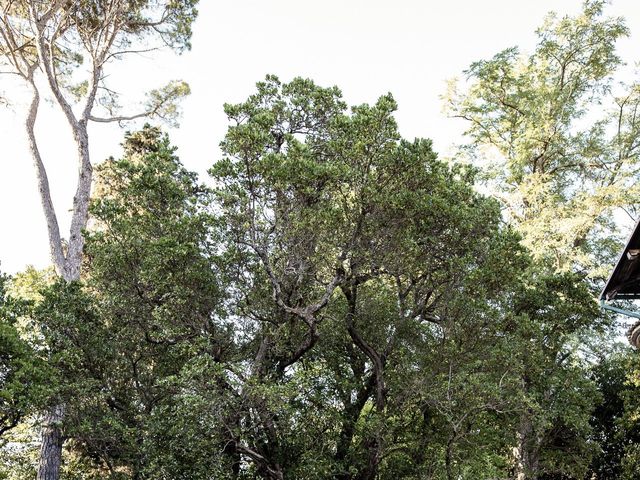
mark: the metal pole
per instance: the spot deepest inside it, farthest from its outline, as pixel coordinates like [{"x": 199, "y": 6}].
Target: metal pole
[{"x": 611, "y": 308}]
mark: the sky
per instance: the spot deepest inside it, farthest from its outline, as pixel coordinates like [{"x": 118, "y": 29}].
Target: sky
[{"x": 366, "y": 47}]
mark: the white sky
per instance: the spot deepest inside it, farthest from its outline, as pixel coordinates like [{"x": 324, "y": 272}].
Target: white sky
[{"x": 365, "y": 47}]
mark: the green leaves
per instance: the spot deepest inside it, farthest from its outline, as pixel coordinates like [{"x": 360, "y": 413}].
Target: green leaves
[
  {"x": 358, "y": 258},
  {"x": 118, "y": 342},
  {"x": 163, "y": 102},
  {"x": 341, "y": 304},
  {"x": 24, "y": 376},
  {"x": 560, "y": 159}
]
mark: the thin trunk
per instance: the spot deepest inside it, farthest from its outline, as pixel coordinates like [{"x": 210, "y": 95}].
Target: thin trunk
[
  {"x": 374, "y": 448},
  {"x": 67, "y": 266},
  {"x": 373, "y": 444},
  {"x": 448, "y": 458},
  {"x": 80, "y": 205},
  {"x": 55, "y": 243},
  {"x": 51, "y": 447}
]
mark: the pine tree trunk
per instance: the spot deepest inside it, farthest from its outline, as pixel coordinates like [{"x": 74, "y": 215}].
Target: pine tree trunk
[{"x": 66, "y": 265}]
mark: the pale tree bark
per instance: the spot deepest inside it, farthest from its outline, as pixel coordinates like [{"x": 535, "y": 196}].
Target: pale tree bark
[
  {"x": 55, "y": 243},
  {"x": 67, "y": 264},
  {"x": 68, "y": 267},
  {"x": 51, "y": 447},
  {"x": 26, "y": 67}
]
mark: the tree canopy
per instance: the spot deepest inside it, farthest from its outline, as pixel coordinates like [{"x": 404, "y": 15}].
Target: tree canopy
[
  {"x": 336, "y": 301},
  {"x": 563, "y": 135}
]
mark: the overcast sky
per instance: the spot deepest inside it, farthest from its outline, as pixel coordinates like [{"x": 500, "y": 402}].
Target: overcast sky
[{"x": 365, "y": 47}]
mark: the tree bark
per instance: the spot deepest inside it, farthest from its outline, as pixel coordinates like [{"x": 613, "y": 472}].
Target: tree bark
[
  {"x": 526, "y": 452},
  {"x": 67, "y": 266},
  {"x": 373, "y": 444},
  {"x": 49, "y": 22},
  {"x": 51, "y": 435},
  {"x": 51, "y": 448},
  {"x": 55, "y": 243},
  {"x": 448, "y": 458}
]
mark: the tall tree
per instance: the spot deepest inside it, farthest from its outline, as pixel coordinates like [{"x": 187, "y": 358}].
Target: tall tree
[
  {"x": 144, "y": 312},
  {"x": 564, "y": 141},
  {"x": 59, "y": 41},
  {"x": 564, "y": 137},
  {"x": 352, "y": 255}
]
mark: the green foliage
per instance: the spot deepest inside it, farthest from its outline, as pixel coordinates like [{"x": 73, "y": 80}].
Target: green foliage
[
  {"x": 341, "y": 305},
  {"x": 23, "y": 375},
  {"x": 562, "y": 162},
  {"x": 360, "y": 257},
  {"x": 621, "y": 425},
  {"x": 613, "y": 427},
  {"x": 557, "y": 311},
  {"x": 171, "y": 20},
  {"x": 121, "y": 338},
  {"x": 163, "y": 102},
  {"x": 88, "y": 35},
  {"x": 26, "y": 378}
]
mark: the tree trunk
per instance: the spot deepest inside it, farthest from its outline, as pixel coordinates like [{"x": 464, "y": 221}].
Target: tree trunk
[
  {"x": 51, "y": 448},
  {"x": 66, "y": 265},
  {"x": 526, "y": 452},
  {"x": 448, "y": 458}
]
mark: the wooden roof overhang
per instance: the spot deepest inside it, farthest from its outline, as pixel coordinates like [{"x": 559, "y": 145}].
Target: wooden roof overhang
[{"x": 624, "y": 282}]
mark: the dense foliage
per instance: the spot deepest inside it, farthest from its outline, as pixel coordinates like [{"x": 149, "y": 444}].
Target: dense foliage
[
  {"x": 22, "y": 372},
  {"x": 340, "y": 303},
  {"x": 563, "y": 136}
]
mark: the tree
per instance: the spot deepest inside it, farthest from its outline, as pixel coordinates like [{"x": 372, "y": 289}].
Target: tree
[
  {"x": 352, "y": 256},
  {"x": 564, "y": 163},
  {"x": 142, "y": 315},
  {"x": 58, "y": 40}
]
